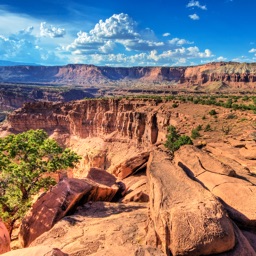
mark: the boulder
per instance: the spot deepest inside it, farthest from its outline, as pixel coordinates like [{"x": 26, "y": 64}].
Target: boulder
[
  {"x": 4, "y": 239},
  {"x": 185, "y": 217},
  {"x": 62, "y": 199},
  {"x": 102, "y": 228},
  {"x": 130, "y": 165},
  {"x": 136, "y": 189},
  {"x": 36, "y": 251}
]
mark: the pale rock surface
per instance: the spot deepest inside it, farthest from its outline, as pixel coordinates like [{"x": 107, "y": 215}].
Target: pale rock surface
[
  {"x": 61, "y": 199},
  {"x": 4, "y": 239},
  {"x": 36, "y": 251},
  {"x": 186, "y": 218},
  {"x": 220, "y": 149},
  {"x": 238, "y": 194},
  {"x": 101, "y": 228},
  {"x": 200, "y": 162}
]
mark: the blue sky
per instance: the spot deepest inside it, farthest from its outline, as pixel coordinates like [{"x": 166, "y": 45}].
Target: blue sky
[{"x": 127, "y": 32}]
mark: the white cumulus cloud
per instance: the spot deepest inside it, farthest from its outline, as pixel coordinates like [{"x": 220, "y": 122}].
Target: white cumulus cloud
[
  {"x": 194, "y": 3},
  {"x": 253, "y": 50},
  {"x": 51, "y": 31},
  {"x": 194, "y": 16},
  {"x": 166, "y": 34}
]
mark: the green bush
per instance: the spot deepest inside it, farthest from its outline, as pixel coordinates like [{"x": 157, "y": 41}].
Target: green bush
[
  {"x": 175, "y": 140},
  {"x": 208, "y": 128},
  {"x": 195, "y": 134},
  {"x": 213, "y": 112}
]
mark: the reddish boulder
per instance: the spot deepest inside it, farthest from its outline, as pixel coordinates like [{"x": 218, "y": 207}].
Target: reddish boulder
[
  {"x": 130, "y": 165},
  {"x": 63, "y": 198},
  {"x": 4, "y": 239}
]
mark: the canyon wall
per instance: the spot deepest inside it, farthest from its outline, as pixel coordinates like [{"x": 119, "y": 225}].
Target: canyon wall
[
  {"x": 139, "y": 120},
  {"x": 79, "y": 74},
  {"x": 13, "y": 97}
]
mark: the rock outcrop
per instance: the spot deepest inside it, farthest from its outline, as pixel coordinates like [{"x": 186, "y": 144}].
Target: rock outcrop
[
  {"x": 4, "y": 239},
  {"x": 185, "y": 218},
  {"x": 101, "y": 228},
  {"x": 62, "y": 199},
  {"x": 201, "y": 202}
]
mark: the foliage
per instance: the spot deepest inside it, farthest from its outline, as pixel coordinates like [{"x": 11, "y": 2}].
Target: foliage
[
  {"x": 213, "y": 112},
  {"x": 195, "y": 134},
  {"x": 175, "y": 140},
  {"x": 208, "y": 128},
  {"x": 226, "y": 129},
  {"x": 26, "y": 159}
]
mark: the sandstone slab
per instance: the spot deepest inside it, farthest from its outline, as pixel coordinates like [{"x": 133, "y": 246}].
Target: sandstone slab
[
  {"x": 60, "y": 200},
  {"x": 195, "y": 159},
  {"x": 136, "y": 189},
  {"x": 101, "y": 228},
  {"x": 129, "y": 166},
  {"x": 187, "y": 219}
]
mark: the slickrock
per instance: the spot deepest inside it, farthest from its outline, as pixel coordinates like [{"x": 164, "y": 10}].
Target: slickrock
[
  {"x": 238, "y": 194},
  {"x": 36, "y": 251},
  {"x": 101, "y": 228},
  {"x": 201, "y": 162},
  {"x": 186, "y": 218},
  {"x": 221, "y": 149},
  {"x": 61, "y": 199},
  {"x": 4, "y": 239}
]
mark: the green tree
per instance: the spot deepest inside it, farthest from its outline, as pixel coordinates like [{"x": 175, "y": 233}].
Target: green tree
[
  {"x": 26, "y": 160},
  {"x": 175, "y": 140}
]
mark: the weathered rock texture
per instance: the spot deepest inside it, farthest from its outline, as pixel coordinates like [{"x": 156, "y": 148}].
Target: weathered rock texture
[
  {"x": 185, "y": 218},
  {"x": 62, "y": 199},
  {"x": 200, "y": 203},
  {"x": 101, "y": 228},
  {"x": 4, "y": 239}
]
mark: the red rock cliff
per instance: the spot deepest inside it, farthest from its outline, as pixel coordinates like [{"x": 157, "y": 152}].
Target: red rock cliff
[{"x": 140, "y": 120}]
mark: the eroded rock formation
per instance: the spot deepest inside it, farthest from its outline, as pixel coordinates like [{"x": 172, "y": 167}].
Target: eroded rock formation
[
  {"x": 62, "y": 199},
  {"x": 231, "y": 73},
  {"x": 201, "y": 202}
]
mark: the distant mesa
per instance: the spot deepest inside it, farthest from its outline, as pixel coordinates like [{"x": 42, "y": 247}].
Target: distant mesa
[{"x": 233, "y": 74}]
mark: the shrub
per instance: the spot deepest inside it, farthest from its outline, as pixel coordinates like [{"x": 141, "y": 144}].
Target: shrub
[
  {"x": 195, "y": 134},
  {"x": 208, "y": 128},
  {"x": 213, "y": 112},
  {"x": 175, "y": 140}
]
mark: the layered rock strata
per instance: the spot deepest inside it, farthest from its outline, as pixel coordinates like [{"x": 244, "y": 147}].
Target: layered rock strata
[{"x": 229, "y": 72}]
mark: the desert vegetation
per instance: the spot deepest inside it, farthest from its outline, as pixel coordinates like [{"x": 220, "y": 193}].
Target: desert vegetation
[{"x": 27, "y": 161}]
